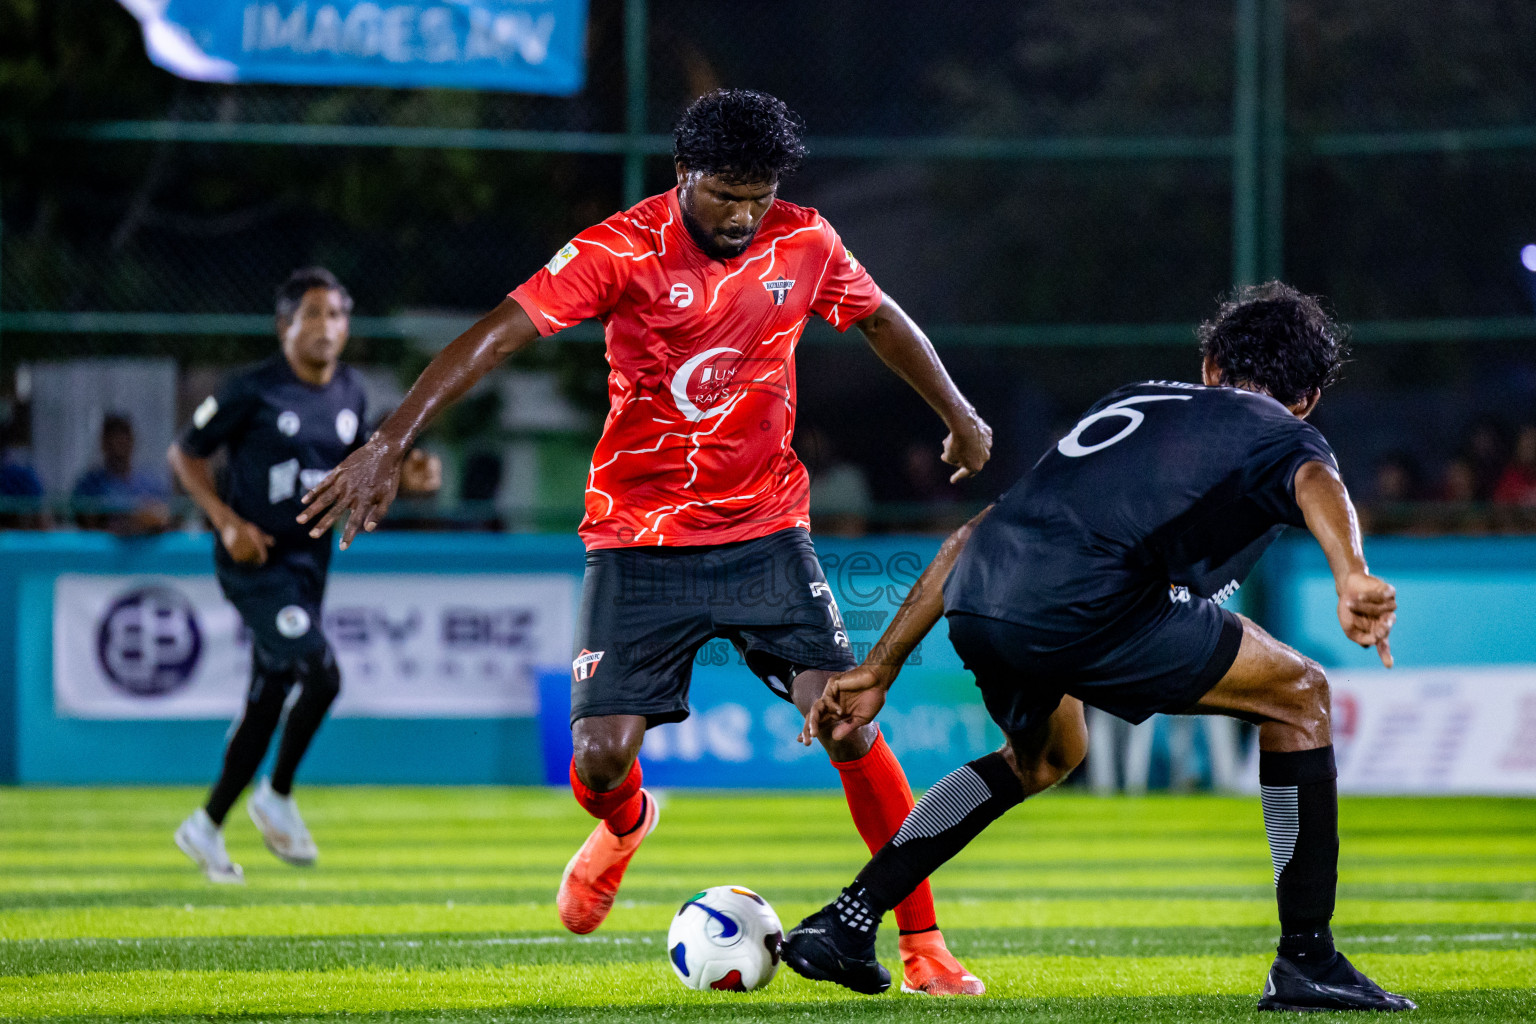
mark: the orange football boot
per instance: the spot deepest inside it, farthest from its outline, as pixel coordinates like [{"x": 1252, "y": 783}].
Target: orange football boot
[
  {"x": 929, "y": 968},
  {"x": 591, "y": 879}
]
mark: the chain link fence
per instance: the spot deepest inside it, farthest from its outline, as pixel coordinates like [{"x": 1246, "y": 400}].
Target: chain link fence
[{"x": 1058, "y": 192}]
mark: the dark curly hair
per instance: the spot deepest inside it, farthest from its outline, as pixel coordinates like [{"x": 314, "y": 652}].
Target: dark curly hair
[
  {"x": 739, "y": 134},
  {"x": 1272, "y": 337},
  {"x": 292, "y": 291}
]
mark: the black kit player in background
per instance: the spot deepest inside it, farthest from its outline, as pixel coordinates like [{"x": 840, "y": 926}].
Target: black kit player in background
[
  {"x": 1097, "y": 579},
  {"x": 285, "y": 424}
]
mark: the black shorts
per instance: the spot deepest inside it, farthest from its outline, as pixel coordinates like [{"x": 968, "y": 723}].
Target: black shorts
[
  {"x": 645, "y": 612},
  {"x": 280, "y": 600},
  {"x": 1168, "y": 652}
]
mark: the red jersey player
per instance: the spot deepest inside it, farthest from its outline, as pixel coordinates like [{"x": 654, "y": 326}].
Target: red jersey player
[{"x": 696, "y": 519}]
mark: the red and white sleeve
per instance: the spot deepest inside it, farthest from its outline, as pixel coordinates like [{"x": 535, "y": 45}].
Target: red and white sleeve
[
  {"x": 583, "y": 281},
  {"x": 846, "y": 294}
]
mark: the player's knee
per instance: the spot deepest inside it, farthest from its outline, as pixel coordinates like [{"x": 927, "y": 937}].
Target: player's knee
[
  {"x": 321, "y": 676},
  {"x": 1312, "y": 703},
  {"x": 603, "y": 758},
  {"x": 851, "y": 747}
]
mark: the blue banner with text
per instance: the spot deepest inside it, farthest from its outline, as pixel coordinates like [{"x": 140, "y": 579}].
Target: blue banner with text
[{"x": 509, "y": 45}]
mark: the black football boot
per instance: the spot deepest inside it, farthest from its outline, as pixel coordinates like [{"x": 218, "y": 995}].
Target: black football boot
[
  {"x": 837, "y": 943},
  {"x": 1332, "y": 985}
]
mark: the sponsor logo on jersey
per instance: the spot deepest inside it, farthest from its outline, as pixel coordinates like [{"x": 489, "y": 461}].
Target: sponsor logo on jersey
[
  {"x": 779, "y": 287},
  {"x": 293, "y": 622},
  {"x": 346, "y": 425},
  {"x": 558, "y": 261},
  {"x": 681, "y": 295},
  {"x": 1178, "y": 595},
  {"x": 148, "y": 642},
  {"x": 288, "y": 423},
  {"x": 586, "y": 663},
  {"x": 205, "y": 412},
  {"x": 282, "y": 481},
  {"x": 1225, "y": 593},
  {"x": 703, "y": 383}
]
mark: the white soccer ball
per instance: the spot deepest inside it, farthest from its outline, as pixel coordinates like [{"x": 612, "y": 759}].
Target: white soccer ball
[{"x": 725, "y": 938}]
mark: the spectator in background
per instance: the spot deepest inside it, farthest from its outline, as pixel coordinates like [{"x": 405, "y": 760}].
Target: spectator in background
[
  {"x": 1487, "y": 453},
  {"x": 21, "y": 491},
  {"x": 1398, "y": 485},
  {"x": 1460, "y": 510},
  {"x": 112, "y": 496},
  {"x": 840, "y": 498},
  {"x": 1517, "y": 484},
  {"x": 926, "y": 485}
]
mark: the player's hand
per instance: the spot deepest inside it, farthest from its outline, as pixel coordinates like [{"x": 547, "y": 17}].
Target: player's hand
[
  {"x": 969, "y": 446},
  {"x": 851, "y": 700},
  {"x": 361, "y": 488},
  {"x": 422, "y": 473},
  {"x": 246, "y": 543},
  {"x": 1367, "y": 611}
]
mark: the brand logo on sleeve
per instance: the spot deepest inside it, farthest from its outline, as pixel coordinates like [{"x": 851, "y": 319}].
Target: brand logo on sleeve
[
  {"x": 681, "y": 296},
  {"x": 1177, "y": 594},
  {"x": 557, "y": 262},
  {"x": 288, "y": 423},
  {"x": 346, "y": 425},
  {"x": 205, "y": 412},
  {"x": 586, "y": 663},
  {"x": 778, "y": 288}
]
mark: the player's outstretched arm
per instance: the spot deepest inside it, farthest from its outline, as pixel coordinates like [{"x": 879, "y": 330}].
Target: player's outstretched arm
[
  {"x": 364, "y": 485},
  {"x": 1367, "y": 605},
  {"x": 903, "y": 346},
  {"x": 852, "y": 699}
]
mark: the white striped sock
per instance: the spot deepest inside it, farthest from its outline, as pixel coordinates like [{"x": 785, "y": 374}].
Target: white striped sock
[
  {"x": 944, "y": 806},
  {"x": 1282, "y": 821}
]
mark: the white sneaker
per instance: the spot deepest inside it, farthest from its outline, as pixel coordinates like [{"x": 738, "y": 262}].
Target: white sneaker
[
  {"x": 277, "y": 817},
  {"x": 203, "y": 841}
]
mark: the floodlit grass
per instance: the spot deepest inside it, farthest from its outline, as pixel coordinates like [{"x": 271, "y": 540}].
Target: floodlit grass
[{"x": 437, "y": 905}]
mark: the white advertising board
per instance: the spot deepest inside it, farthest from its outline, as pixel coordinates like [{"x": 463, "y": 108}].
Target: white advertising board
[
  {"x": 1440, "y": 731},
  {"x": 409, "y": 645}
]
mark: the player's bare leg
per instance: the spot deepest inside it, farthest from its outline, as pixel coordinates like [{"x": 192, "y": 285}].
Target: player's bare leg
[
  {"x": 605, "y": 776},
  {"x": 1286, "y": 695},
  {"x": 838, "y": 942}
]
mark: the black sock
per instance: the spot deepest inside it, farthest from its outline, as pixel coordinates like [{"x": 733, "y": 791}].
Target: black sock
[
  {"x": 1301, "y": 817},
  {"x": 319, "y": 682},
  {"x": 263, "y": 707},
  {"x": 948, "y": 817}
]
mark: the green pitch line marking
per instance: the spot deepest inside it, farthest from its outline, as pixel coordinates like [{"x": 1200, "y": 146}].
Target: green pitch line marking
[
  {"x": 347, "y": 919},
  {"x": 364, "y": 991}
]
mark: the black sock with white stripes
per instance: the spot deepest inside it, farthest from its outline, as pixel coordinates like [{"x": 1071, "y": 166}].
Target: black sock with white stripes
[
  {"x": 948, "y": 817},
  {"x": 1300, "y": 793}
]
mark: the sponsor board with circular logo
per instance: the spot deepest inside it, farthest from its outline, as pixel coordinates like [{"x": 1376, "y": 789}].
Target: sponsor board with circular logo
[{"x": 148, "y": 641}]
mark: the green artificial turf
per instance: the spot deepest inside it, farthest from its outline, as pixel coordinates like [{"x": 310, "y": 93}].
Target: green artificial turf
[{"x": 438, "y": 905}]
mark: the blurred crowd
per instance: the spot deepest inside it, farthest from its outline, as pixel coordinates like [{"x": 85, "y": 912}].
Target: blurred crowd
[{"x": 1487, "y": 486}]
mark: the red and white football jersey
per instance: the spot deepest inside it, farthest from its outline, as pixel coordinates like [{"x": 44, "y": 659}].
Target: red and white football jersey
[{"x": 701, "y": 388}]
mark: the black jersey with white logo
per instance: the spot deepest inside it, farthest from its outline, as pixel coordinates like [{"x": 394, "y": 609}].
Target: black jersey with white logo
[
  {"x": 1159, "y": 485},
  {"x": 283, "y": 436}
]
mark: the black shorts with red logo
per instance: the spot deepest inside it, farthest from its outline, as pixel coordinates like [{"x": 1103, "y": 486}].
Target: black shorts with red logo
[{"x": 646, "y": 612}]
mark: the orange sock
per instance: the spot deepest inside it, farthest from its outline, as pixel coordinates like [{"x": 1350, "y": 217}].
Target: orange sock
[
  {"x": 880, "y": 799},
  {"x": 620, "y": 808}
]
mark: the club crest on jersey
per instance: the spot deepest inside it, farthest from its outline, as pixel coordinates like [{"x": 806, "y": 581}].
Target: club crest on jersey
[
  {"x": 346, "y": 425},
  {"x": 586, "y": 663},
  {"x": 703, "y": 383},
  {"x": 778, "y": 288},
  {"x": 558, "y": 261}
]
